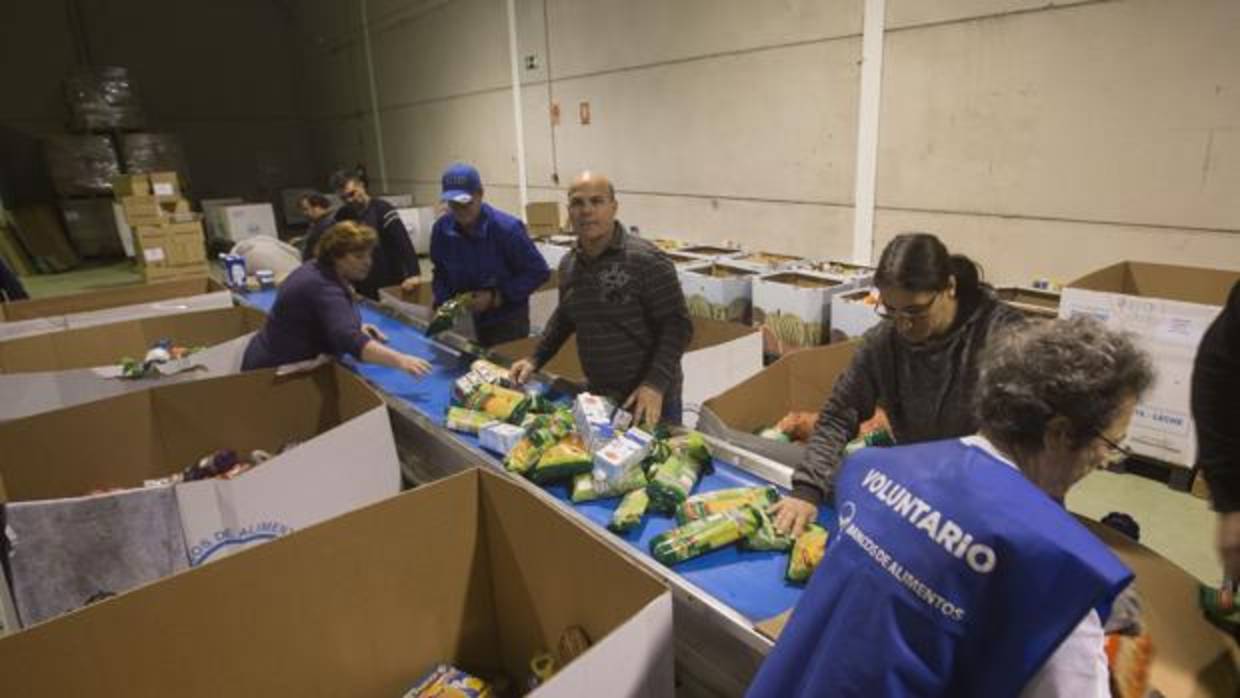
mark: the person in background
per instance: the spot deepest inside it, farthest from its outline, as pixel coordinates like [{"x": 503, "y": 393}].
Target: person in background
[
  {"x": 396, "y": 262},
  {"x": 314, "y": 312},
  {"x": 11, "y": 288},
  {"x": 622, "y": 298},
  {"x": 1216, "y": 411},
  {"x": 480, "y": 249},
  {"x": 919, "y": 364},
  {"x": 318, "y": 211},
  {"x": 956, "y": 571}
]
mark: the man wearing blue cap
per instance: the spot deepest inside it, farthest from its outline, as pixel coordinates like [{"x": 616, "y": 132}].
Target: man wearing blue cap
[{"x": 480, "y": 249}]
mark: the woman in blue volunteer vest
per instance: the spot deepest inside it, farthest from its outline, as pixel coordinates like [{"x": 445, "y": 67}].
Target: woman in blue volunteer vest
[
  {"x": 919, "y": 364},
  {"x": 955, "y": 571}
]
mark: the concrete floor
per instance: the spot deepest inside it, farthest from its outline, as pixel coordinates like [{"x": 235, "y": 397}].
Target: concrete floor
[{"x": 1177, "y": 525}]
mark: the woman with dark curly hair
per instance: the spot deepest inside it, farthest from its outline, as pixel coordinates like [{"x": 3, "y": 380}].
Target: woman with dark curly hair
[
  {"x": 315, "y": 313},
  {"x": 956, "y": 570}
]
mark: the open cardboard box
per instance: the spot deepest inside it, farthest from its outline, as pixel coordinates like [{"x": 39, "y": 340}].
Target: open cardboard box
[
  {"x": 57, "y": 369},
  {"x": 417, "y": 303},
  {"x": 1168, "y": 308},
  {"x": 344, "y": 458},
  {"x": 793, "y": 308},
  {"x": 800, "y": 381},
  {"x": 1192, "y": 659},
  {"x": 718, "y": 290},
  {"x": 709, "y": 252},
  {"x": 1033, "y": 302},
  {"x": 473, "y": 570},
  {"x": 851, "y": 314},
  {"x": 770, "y": 261},
  {"x": 23, "y": 318},
  {"x": 859, "y": 274},
  {"x": 720, "y": 355}
]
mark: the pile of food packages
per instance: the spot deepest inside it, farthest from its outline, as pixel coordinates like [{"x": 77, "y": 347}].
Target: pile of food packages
[
  {"x": 589, "y": 447},
  {"x": 798, "y": 425},
  {"x": 448, "y": 681}
]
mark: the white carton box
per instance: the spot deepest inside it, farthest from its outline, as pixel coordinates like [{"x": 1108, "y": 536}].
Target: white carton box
[
  {"x": 212, "y": 215},
  {"x": 243, "y": 221},
  {"x": 1168, "y": 309},
  {"x": 718, "y": 290},
  {"x": 419, "y": 222},
  {"x": 794, "y": 308},
  {"x": 851, "y": 315},
  {"x": 553, "y": 251}
]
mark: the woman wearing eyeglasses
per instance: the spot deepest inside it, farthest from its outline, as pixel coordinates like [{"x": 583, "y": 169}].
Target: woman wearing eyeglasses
[
  {"x": 919, "y": 364},
  {"x": 956, "y": 571}
]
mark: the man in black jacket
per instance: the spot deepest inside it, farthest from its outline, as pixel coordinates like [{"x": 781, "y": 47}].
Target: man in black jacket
[
  {"x": 1216, "y": 410},
  {"x": 395, "y": 260}
]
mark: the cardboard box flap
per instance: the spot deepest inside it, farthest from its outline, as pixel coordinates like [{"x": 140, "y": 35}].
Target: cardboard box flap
[
  {"x": 1166, "y": 281},
  {"x": 354, "y": 606},
  {"x": 772, "y": 627},
  {"x": 108, "y": 298},
  {"x": 122, "y": 440}
]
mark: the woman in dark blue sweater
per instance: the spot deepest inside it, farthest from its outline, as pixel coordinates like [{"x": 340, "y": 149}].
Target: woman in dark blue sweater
[{"x": 315, "y": 313}]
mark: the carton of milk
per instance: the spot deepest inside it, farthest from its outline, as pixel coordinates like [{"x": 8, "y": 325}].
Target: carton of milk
[
  {"x": 500, "y": 437},
  {"x": 624, "y": 452},
  {"x": 592, "y": 413}
]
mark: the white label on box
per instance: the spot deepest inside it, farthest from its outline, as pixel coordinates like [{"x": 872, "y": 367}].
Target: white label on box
[
  {"x": 164, "y": 189},
  {"x": 154, "y": 254}
]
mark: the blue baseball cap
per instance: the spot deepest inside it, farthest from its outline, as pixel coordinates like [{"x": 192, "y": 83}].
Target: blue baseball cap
[{"x": 460, "y": 183}]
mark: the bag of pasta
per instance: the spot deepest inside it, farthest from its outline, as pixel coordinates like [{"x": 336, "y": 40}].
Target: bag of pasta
[
  {"x": 566, "y": 459},
  {"x": 766, "y": 536},
  {"x": 630, "y": 512},
  {"x": 586, "y": 488},
  {"x": 502, "y": 404},
  {"x": 703, "y": 535},
  {"x": 699, "y": 506},
  {"x": 806, "y": 553},
  {"x": 525, "y": 454}
]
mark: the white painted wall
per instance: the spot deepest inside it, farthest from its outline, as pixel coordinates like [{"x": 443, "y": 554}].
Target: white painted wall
[{"x": 1044, "y": 139}]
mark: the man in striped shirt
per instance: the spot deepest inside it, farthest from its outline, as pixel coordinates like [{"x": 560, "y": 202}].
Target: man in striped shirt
[
  {"x": 395, "y": 260},
  {"x": 621, "y": 296}
]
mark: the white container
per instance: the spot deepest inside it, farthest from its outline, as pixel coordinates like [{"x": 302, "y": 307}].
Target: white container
[
  {"x": 243, "y": 221},
  {"x": 212, "y": 214},
  {"x": 794, "y": 307},
  {"x": 718, "y": 290},
  {"x": 620, "y": 454},
  {"x": 851, "y": 316}
]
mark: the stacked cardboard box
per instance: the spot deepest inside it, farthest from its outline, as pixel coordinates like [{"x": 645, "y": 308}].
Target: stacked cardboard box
[
  {"x": 544, "y": 218},
  {"x": 168, "y": 238}
]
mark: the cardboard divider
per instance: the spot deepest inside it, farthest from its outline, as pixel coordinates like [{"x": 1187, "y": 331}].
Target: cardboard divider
[
  {"x": 1032, "y": 302},
  {"x": 800, "y": 381},
  {"x": 358, "y": 606}
]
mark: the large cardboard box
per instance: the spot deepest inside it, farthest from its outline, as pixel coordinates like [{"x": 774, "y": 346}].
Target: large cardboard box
[
  {"x": 718, "y": 290},
  {"x": 544, "y": 218},
  {"x": 418, "y": 222},
  {"x": 1168, "y": 308},
  {"x": 859, "y": 274},
  {"x": 1033, "y": 302},
  {"x": 711, "y": 252},
  {"x": 770, "y": 261},
  {"x": 473, "y": 570},
  {"x": 794, "y": 308},
  {"x": 49, "y": 371},
  {"x": 165, "y": 184},
  {"x": 55, "y": 313},
  {"x": 342, "y": 456},
  {"x": 213, "y": 214},
  {"x": 721, "y": 355},
  {"x": 853, "y": 313},
  {"x": 131, "y": 185},
  {"x": 237, "y": 222},
  {"x": 171, "y": 250},
  {"x": 800, "y": 382},
  {"x": 417, "y": 303}
]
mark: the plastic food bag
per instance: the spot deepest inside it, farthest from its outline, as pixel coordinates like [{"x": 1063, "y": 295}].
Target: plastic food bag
[
  {"x": 699, "y": 506},
  {"x": 586, "y": 488},
  {"x": 704, "y": 535},
  {"x": 630, "y": 512},
  {"x": 446, "y": 315},
  {"x": 444, "y": 681},
  {"x": 468, "y": 421},
  {"x": 523, "y": 456},
  {"x": 501, "y": 403},
  {"x": 806, "y": 553},
  {"x": 565, "y": 459},
  {"x": 671, "y": 483},
  {"x": 766, "y": 537},
  {"x": 878, "y": 437}
]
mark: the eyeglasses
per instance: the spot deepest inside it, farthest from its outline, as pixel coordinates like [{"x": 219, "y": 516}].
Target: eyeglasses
[
  {"x": 908, "y": 312},
  {"x": 1115, "y": 451}
]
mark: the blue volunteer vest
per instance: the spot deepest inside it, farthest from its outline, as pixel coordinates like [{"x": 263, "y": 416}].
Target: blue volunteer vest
[{"x": 951, "y": 575}]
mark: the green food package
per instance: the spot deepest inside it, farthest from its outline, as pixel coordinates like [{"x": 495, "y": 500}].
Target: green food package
[
  {"x": 630, "y": 512},
  {"x": 468, "y": 421},
  {"x": 691, "y": 445},
  {"x": 766, "y": 537},
  {"x": 699, "y": 506},
  {"x": 446, "y": 314},
  {"x": 586, "y": 488},
  {"x": 774, "y": 435},
  {"x": 566, "y": 459},
  {"x": 540, "y": 404},
  {"x": 806, "y": 553},
  {"x": 501, "y": 403},
  {"x": 524, "y": 455},
  {"x": 704, "y": 535},
  {"x": 879, "y": 437},
  {"x": 671, "y": 483}
]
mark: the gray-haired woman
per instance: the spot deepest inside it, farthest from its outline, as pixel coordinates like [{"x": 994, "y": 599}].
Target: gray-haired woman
[{"x": 956, "y": 570}]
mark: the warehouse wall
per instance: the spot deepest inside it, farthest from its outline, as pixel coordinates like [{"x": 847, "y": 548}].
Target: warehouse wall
[
  {"x": 224, "y": 76},
  {"x": 1044, "y": 139}
]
